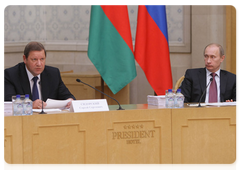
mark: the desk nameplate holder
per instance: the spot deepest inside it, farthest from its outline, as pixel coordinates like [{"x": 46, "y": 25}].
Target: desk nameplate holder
[{"x": 89, "y": 105}]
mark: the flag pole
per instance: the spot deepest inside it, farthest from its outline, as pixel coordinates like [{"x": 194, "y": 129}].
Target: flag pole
[{"x": 102, "y": 87}]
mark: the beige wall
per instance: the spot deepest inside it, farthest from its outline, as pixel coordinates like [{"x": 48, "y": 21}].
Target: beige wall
[{"x": 207, "y": 26}]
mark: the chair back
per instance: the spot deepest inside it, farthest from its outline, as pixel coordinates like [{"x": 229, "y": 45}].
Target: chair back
[{"x": 179, "y": 82}]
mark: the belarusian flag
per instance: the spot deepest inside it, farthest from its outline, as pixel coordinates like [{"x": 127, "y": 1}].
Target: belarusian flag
[{"x": 110, "y": 45}]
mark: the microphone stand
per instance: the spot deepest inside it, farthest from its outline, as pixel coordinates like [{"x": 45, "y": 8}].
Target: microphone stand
[
  {"x": 120, "y": 108},
  {"x": 42, "y": 112},
  {"x": 199, "y": 105}
]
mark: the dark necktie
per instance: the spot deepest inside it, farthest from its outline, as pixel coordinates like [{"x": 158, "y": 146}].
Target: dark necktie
[
  {"x": 35, "y": 94},
  {"x": 213, "y": 90}
]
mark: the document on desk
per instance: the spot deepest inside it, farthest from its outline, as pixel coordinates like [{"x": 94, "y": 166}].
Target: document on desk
[
  {"x": 56, "y": 104},
  {"x": 8, "y": 109},
  {"x": 53, "y": 106},
  {"x": 215, "y": 104},
  {"x": 47, "y": 110},
  {"x": 222, "y": 104},
  {"x": 195, "y": 104}
]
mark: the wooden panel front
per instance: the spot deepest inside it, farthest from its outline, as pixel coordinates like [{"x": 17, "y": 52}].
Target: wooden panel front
[
  {"x": 127, "y": 139},
  {"x": 139, "y": 137},
  {"x": 64, "y": 138},
  {"x": 79, "y": 90},
  {"x": 204, "y": 135},
  {"x": 13, "y": 150},
  {"x": 122, "y": 96}
]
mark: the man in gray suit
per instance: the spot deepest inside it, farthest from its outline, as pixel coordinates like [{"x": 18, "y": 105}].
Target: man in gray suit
[
  {"x": 19, "y": 78},
  {"x": 196, "y": 80}
]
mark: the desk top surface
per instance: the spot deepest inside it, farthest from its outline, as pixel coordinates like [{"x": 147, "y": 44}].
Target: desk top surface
[{"x": 134, "y": 107}]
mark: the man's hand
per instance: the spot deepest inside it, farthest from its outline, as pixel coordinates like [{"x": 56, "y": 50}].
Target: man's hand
[
  {"x": 69, "y": 103},
  {"x": 37, "y": 104}
]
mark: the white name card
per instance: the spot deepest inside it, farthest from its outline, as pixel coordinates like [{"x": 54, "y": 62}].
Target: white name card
[{"x": 89, "y": 105}]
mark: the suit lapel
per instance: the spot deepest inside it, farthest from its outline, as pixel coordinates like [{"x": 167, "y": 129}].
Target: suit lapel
[
  {"x": 44, "y": 85},
  {"x": 23, "y": 77},
  {"x": 223, "y": 83},
  {"x": 202, "y": 78}
]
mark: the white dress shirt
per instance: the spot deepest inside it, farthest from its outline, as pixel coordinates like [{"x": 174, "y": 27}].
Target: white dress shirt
[{"x": 30, "y": 76}]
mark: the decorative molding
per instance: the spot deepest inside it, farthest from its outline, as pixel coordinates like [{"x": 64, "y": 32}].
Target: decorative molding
[
  {"x": 66, "y": 28},
  {"x": 49, "y": 46},
  {"x": 183, "y": 44}
]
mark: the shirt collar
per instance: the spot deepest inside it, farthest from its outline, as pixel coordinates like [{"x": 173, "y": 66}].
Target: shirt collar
[
  {"x": 217, "y": 72},
  {"x": 30, "y": 76}
]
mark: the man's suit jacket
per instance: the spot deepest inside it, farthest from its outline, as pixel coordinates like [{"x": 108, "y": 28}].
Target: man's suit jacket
[
  {"x": 194, "y": 85},
  {"x": 16, "y": 82}
]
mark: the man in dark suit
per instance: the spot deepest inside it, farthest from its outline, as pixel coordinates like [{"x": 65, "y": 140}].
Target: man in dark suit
[
  {"x": 196, "y": 80},
  {"x": 18, "y": 79}
]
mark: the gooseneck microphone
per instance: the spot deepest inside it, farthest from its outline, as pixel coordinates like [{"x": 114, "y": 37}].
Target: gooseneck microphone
[
  {"x": 42, "y": 112},
  {"x": 199, "y": 105},
  {"x": 120, "y": 108}
]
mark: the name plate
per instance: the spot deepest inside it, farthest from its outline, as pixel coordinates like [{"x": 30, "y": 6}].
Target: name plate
[{"x": 89, "y": 105}]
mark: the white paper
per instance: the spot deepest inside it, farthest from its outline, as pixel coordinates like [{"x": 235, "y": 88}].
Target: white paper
[
  {"x": 214, "y": 104},
  {"x": 47, "y": 110},
  {"x": 52, "y": 106},
  {"x": 8, "y": 109},
  {"x": 5, "y": 103},
  {"x": 222, "y": 104},
  {"x": 196, "y": 104},
  {"x": 56, "y": 104},
  {"x": 156, "y": 100}
]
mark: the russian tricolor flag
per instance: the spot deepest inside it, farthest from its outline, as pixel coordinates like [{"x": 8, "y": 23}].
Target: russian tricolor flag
[{"x": 151, "y": 47}]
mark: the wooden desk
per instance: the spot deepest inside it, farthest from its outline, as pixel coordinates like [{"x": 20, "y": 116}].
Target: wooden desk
[
  {"x": 138, "y": 135},
  {"x": 13, "y": 141},
  {"x": 204, "y": 135},
  {"x": 83, "y": 92}
]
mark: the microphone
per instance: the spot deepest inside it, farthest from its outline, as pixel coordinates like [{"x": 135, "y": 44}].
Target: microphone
[
  {"x": 120, "y": 108},
  {"x": 199, "y": 105},
  {"x": 42, "y": 112}
]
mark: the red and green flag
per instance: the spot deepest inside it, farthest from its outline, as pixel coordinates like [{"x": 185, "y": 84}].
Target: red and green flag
[{"x": 110, "y": 45}]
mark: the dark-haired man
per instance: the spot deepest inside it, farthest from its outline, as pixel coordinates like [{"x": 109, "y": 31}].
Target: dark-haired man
[
  {"x": 196, "y": 80},
  {"x": 34, "y": 78}
]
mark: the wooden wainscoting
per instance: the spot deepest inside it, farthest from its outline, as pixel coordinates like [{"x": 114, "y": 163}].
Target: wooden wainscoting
[{"x": 84, "y": 92}]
